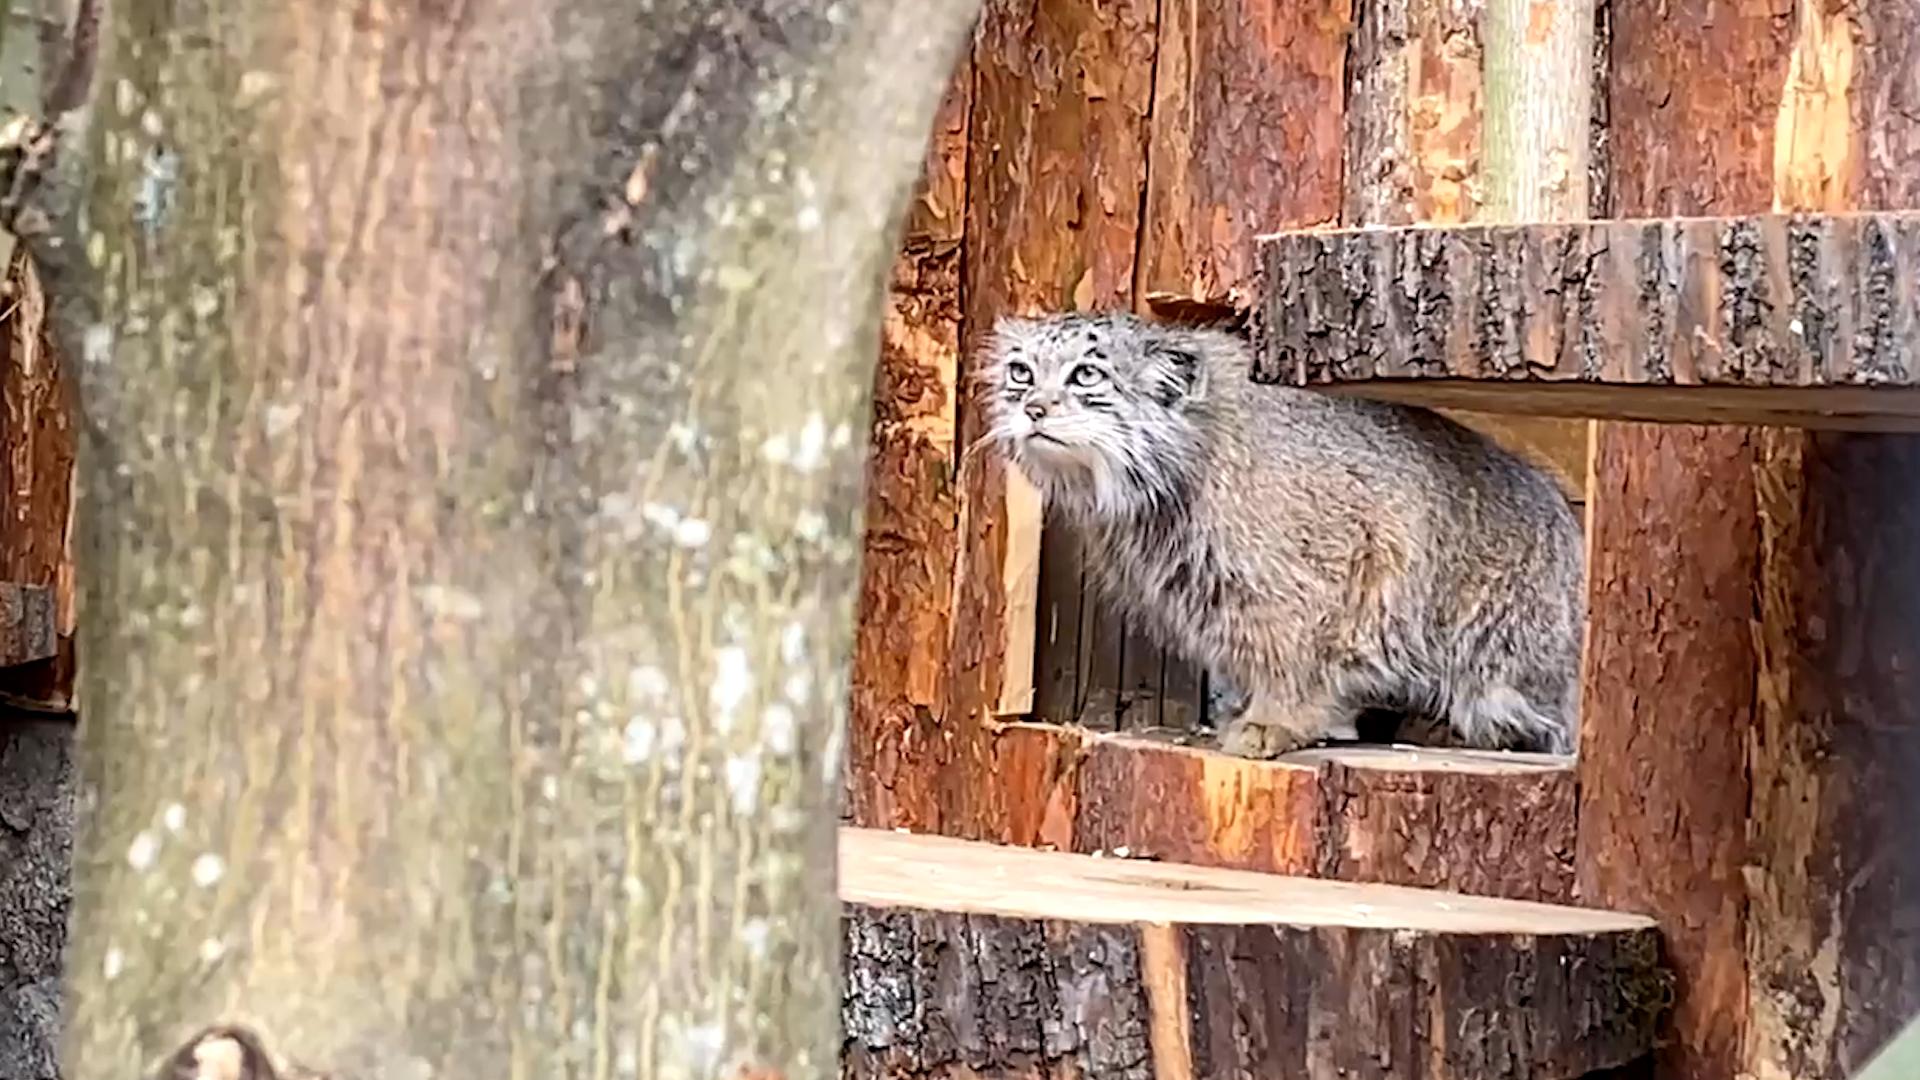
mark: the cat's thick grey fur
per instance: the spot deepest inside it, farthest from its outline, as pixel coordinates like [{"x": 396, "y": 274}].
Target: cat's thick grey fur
[{"x": 1324, "y": 555}]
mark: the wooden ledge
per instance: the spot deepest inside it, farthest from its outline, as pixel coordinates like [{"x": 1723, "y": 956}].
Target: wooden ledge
[
  {"x": 1808, "y": 319},
  {"x": 971, "y": 959},
  {"x": 1480, "y": 823},
  {"x": 889, "y": 869},
  {"x": 26, "y": 624}
]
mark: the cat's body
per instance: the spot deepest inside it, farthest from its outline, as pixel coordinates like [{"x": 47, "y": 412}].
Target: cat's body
[{"x": 1324, "y": 555}]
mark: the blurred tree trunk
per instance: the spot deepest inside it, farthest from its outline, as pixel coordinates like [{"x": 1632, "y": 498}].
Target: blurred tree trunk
[{"x": 471, "y": 484}]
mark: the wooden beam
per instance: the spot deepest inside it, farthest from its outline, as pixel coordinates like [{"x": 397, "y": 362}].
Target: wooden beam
[
  {"x": 998, "y": 963},
  {"x": 36, "y": 494}
]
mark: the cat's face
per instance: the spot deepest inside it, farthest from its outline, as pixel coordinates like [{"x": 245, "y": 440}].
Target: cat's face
[{"x": 1091, "y": 405}]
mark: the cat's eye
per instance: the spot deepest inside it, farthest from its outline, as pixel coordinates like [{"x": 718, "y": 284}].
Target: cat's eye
[
  {"x": 1019, "y": 374},
  {"x": 1086, "y": 375}
]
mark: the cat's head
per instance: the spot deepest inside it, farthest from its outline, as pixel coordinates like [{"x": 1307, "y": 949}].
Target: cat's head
[{"x": 1097, "y": 410}]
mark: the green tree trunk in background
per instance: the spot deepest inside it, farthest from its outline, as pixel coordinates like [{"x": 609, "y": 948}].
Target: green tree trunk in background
[{"x": 471, "y": 500}]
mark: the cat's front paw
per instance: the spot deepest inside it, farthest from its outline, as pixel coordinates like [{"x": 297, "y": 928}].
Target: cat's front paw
[{"x": 1247, "y": 738}]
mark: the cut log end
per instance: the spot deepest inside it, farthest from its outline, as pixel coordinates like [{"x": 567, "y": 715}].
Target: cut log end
[{"x": 1005, "y": 962}]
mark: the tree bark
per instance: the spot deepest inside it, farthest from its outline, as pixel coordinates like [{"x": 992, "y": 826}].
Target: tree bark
[
  {"x": 963, "y": 959},
  {"x": 1704, "y": 318},
  {"x": 1056, "y": 165},
  {"x": 472, "y": 482},
  {"x": 906, "y": 576}
]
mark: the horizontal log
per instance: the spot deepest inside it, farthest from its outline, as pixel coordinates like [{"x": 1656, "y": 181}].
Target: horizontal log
[
  {"x": 967, "y": 959},
  {"x": 1489, "y": 824},
  {"x": 1804, "y": 319},
  {"x": 27, "y": 624}
]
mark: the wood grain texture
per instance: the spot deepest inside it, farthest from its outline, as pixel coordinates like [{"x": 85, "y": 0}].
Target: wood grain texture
[
  {"x": 1666, "y": 710},
  {"x": 1815, "y": 304},
  {"x": 1414, "y": 113},
  {"x": 1483, "y": 824},
  {"x": 1758, "y": 921},
  {"x": 906, "y": 577},
  {"x": 1056, "y": 168},
  {"x": 1832, "y": 874},
  {"x": 1248, "y": 125},
  {"x": 36, "y": 495},
  {"x": 1416, "y": 129},
  {"x": 965, "y": 960}
]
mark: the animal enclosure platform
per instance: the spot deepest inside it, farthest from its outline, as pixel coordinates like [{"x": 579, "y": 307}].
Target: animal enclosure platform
[
  {"x": 1808, "y": 320},
  {"x": 1490, "y": 824},
  {"x": 971, "y": 959}
]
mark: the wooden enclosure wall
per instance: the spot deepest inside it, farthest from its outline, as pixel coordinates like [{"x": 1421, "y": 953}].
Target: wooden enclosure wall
[{"x": 1116, "y": 154}]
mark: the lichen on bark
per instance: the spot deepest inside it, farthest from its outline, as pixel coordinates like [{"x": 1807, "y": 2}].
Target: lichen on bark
[{"x": 471, "y": 496}]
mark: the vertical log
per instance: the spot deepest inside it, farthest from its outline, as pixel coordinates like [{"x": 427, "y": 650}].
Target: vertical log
[
  {"x": 36, "y": 757},
  {"x": 471, "y": 489},
  {"x": 906, "y": 577},
  {"x": 1737, "y": 706},
  {"x": 1246, "y": 139},
  {"x": 1418, "y": 131},
  {"x": 1057, "y": 153}
]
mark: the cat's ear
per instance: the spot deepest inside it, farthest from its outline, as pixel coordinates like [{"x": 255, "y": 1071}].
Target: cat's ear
[{"x": 1176, "y": 373}]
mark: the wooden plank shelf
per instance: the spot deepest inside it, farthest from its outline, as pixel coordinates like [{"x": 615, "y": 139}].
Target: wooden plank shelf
[
  {"x": 970, "y": 959},
  {"x": 1808, "y": 320},
  {"x": 26, "y": 623}
]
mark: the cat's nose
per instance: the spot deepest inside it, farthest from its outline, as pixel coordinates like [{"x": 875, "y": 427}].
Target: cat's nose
[{"x": 1035, "y": 410}]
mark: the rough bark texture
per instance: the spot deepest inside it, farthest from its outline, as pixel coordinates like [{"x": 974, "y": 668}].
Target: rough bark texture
[
  {"x": 1415, "y": 133},
  {"x": 1414, "y": 111},
  {"x": 1771, "y": 302},
  {"x": 1666, "y": 712},
  {"x": 36, "y": 771},
  {"x": 36, "y": 852},
  {"x": 1058, "y": 137},
  {"x": 36, "y": 495},
  {"x": 1833, "y": 946},
  {"x": 1792, "y": 937},
  {"x": 26, "y": 624},
  {"x": 472, "y": 477},
  {"x": 1486, "y": 825},
  {"x": 906, "y": 575},
  {"x": 968, "y": 961},
  {"x": 1247, "y": 133}
]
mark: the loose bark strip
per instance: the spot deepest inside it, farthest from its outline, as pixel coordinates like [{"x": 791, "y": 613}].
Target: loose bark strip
[
  {"x": 473, "y": 458},
  {"x": 1058, "y": 137},
  {"x": 906, "y": 579},
  {"x": 996, "y": 963}
]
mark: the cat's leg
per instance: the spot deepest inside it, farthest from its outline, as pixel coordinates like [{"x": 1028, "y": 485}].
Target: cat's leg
[
  {"x": 1498, "y": 717},
  {"x": 1226, "y": 699},
  {"x": 1273, "y": 724}
]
